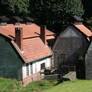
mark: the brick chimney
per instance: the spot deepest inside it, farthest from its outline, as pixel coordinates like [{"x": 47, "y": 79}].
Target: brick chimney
[
  {"x": 43, "y": 33},
  {"x": 19, "y": 37}
]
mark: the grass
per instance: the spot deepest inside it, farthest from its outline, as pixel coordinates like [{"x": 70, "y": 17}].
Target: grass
[
  {"x": 73, "y": 86},
  {"x": 8, "y": 85},
  {"x": 38, "y": 86}
]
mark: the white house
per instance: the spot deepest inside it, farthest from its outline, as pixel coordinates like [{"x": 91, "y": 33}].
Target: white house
[{"x": 24, "y": 51}]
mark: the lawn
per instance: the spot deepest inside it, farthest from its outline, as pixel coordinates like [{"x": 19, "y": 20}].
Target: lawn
[
  {"x": 8, "y": 85},
  {"x": 72, "y": 86}
]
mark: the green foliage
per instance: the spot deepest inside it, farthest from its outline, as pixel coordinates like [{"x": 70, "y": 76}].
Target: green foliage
[
  {"x": 89, "y": 22},
  {"x": 55, "y": 11},
  {"x": 15, "y": 7},
  {"x": 49, "y": 12},
  {"x": 19, "y": 7},
  {"x": 80, "y": 58},
  {"x": 73, "y": 7},
  {"x": 87, "y": 7}
]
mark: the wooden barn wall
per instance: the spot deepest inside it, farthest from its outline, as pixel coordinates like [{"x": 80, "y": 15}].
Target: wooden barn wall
[
  {"x": 88, "y": 63},
  {"x": 69, "y": 46},
  {"x": 10, "y": 63}
]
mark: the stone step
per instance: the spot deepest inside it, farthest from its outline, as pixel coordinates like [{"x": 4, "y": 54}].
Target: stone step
[{"x": 71, "y": 75}]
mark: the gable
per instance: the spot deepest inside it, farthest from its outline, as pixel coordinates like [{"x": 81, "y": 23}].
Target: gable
[
  {"x": 70, "y": 38},
  {"x": 69, "y": 32},
  {"x": 7, "y": 52}
]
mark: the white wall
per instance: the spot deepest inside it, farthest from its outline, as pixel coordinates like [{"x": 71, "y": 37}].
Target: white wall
[
  {"x": 24, "y": 71},
  {"x": 36, "y": 66}
]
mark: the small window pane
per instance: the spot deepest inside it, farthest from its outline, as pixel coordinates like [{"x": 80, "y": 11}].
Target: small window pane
[{"x": 42, "y": 66}]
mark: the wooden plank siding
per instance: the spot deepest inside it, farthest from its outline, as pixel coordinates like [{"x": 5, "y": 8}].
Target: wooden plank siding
[{"x": 10, "y": 63}]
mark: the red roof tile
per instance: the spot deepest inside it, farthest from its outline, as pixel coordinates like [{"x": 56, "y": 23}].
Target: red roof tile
[
  {"x": 33, "y": 47},
  {"x": 28, "y": 30},
  {"x": 84, "y": 29}
]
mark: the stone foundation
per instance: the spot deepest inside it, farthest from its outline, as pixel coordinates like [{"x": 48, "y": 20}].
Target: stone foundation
[{"x": 33, "y": 77}]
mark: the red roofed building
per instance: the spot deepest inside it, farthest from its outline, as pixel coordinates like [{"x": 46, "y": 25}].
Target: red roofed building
[{"x": 24, "y": 51}]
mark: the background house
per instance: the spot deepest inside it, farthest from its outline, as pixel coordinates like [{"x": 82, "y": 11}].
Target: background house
[
  {"x": 24, "y": 51},
  {"x": 70, "y": 46}
]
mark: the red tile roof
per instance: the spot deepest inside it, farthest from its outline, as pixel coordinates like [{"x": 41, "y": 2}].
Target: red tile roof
[
  {"x": 33, "y": 47},
  {"x": 37, "y": 49},
  {"x": 28, "y": 30},
  {"x": 84, "y": 29}
]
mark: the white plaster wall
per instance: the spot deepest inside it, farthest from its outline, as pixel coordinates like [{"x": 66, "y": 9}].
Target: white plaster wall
[
  {"x": 36, "y": 66},
  {"x": 48, "y": 62},
  {"x": 24, "y": 71},
  {"x": 33, "y": 68}
]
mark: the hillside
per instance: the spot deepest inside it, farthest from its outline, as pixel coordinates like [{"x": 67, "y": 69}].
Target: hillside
[
  {"x": 8, "y": 85},
  {"x": 73, "y": 86}
]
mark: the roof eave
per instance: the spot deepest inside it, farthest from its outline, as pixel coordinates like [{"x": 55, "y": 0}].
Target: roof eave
[
  {"x": 38, "y": 59},
  {"x": 18, "y": 50}
]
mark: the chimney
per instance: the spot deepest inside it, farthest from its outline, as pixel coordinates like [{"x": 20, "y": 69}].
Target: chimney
[
  {"x": 43, "y": 33},
  {"x": 78, "y": 20},
  {"x": 19, "y": 37},
  {"x": 3, "y": 20}
]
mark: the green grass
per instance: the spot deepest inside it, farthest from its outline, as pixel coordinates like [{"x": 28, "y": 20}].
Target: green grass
[
  {"x": 38, "y": 86},
  {"x": 8, "y": 85},
  {"x": 73, "y": 86}
]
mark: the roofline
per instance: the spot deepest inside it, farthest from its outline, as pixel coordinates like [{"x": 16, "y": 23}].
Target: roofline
[
  {"x": 39, "y": 59},
  {"x": 81, "y": 31},
  {"x": 12, "y": 44},
  {"x": 9, "y": 38},
  {"x": 20, "y": 54}
]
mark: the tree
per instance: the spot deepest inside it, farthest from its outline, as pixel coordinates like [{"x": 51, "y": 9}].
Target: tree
[
  {"x": 3, "y": 8},
  {"x": 55, "y": 11},
  {"x": 19, "y": 7},
  {"x": 15, "y": 7},
  {"x": 73, "y": 7},
  {"x": 87, "y": 7}
]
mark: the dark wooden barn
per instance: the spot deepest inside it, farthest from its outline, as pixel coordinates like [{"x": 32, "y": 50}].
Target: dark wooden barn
[
  {"x": 71, "y": 46},
  {"x": 88, "y": 63}
]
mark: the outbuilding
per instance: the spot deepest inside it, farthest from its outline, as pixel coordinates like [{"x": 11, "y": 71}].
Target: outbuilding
[{"x": 71, "y": 45}]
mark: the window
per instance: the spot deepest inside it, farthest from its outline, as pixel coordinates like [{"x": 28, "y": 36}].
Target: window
[
  {"x": 27, "y": 69},
  {"x": 31, "y": 70},
  {"x": 42, "y": 66}
]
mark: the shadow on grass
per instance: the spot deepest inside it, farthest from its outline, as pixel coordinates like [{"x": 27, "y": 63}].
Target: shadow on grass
[{"x": 61, "y": 81}]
